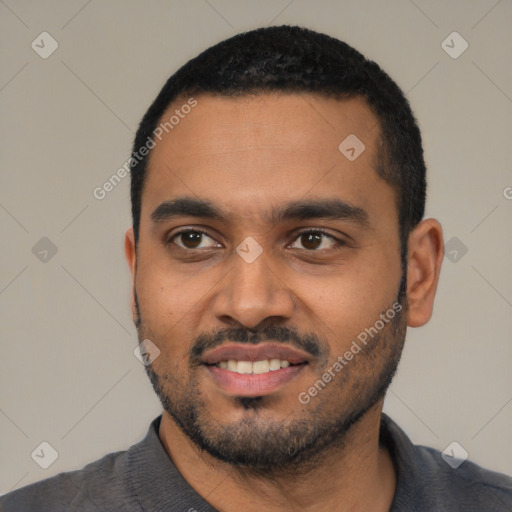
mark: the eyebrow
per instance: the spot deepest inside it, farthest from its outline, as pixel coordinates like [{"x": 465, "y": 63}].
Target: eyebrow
[{"x": 332, "y": 209}]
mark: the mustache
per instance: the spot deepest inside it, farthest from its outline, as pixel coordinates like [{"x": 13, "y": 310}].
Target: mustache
[{"x": 308, "y": 342}]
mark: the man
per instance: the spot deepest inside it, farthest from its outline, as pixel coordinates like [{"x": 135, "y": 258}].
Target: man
[{"x": 278, "y": 254}]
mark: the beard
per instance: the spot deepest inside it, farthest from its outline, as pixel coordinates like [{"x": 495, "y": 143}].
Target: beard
[{"x": 297, "y": 442}]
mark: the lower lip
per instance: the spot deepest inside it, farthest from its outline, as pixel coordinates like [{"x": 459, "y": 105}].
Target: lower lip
[{"x": 244, "y": 384}]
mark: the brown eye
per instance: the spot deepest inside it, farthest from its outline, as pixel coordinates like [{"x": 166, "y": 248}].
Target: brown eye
[
  {"x": 192, "y": 239},
  {"x": 311, "y": 240},
  {"x": 315, "y": 240}
]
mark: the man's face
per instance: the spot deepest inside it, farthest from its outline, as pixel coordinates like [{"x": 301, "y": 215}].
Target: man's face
[{"x": 302, "y": 256}]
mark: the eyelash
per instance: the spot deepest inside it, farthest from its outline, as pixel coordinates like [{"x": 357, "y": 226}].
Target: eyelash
[{"x": 338, "y": 242}]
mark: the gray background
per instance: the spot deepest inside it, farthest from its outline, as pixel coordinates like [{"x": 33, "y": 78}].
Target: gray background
[{"x": 68, "y": 374}]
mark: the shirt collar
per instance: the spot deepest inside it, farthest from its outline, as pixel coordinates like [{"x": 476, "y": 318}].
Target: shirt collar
[
  {"x": 158, "y": 485},
  {"x": 155, "y": 480}
]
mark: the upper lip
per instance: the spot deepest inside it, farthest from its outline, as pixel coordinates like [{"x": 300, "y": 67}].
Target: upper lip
[{"x": 259, "y": 352}]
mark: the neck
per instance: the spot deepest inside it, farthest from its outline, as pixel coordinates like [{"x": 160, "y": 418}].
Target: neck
[{"x": 356, "y": 475}]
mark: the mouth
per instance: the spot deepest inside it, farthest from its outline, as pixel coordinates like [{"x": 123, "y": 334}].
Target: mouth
[
  {"x": 254, "y": 368},
  {"x": 257, "y": 370}
]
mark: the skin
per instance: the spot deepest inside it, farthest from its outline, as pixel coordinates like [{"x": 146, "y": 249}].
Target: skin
[{"x": 247, "y": 155}]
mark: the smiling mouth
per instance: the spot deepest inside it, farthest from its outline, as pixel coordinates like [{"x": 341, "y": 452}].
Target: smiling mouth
[
  {"x": 255, "y": 367},
  {"x": 242, "y": 370}
]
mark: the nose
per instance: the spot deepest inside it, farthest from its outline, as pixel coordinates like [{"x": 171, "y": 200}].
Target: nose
[{"x": 252, "y": 293}]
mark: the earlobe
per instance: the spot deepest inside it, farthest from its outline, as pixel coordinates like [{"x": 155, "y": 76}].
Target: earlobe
[
  {"x": 130, "y": 252},
  {"x": 425, "y": 256}
]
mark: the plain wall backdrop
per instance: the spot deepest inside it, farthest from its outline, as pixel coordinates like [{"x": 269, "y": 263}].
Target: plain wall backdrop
[{"x": 68, "y": 375}]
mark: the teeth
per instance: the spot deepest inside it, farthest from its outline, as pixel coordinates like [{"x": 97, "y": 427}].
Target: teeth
[
  {"x": 260, "y": 366},
  {"x": 275, "y": 364},
  {"x": 256, "y": 367},
  {"x": 244, "y": 367}
]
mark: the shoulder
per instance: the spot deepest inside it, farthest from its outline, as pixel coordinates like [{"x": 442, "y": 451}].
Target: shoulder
[
  {"x": 140, "y": 478},
  {"x": 468, "y": 486},
  {"x": 102, "y": 486},
  {"x": 427, "y": 481}
]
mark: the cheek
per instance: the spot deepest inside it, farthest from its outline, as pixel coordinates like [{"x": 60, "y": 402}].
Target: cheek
[
  {"x": 157, "y": 300},
  {"x": 342, "y": 305},
  {"x": 171, "y": 309},
  {"x": 165, "y": 294}
]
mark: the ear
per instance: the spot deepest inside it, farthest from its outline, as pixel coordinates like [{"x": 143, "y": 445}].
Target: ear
[
  {"x": 130, "y": 252},
  {"x": 425, "y": 256}
]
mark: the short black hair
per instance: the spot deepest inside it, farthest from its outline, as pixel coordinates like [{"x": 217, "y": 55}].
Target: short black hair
[{"x": 292, "y": 59}]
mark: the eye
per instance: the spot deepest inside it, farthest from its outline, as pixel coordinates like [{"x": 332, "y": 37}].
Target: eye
[
  {"x": 313, "y": 240},
  {"x": 193, "y": 239}
]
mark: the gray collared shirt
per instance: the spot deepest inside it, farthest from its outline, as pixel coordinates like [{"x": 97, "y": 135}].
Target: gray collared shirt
[{"x": 143, "y": 478}]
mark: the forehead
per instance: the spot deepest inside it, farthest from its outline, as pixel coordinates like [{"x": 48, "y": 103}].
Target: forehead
[
  {"x": 238, "y": 122},
  {"x": 246, "y": 151}
]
